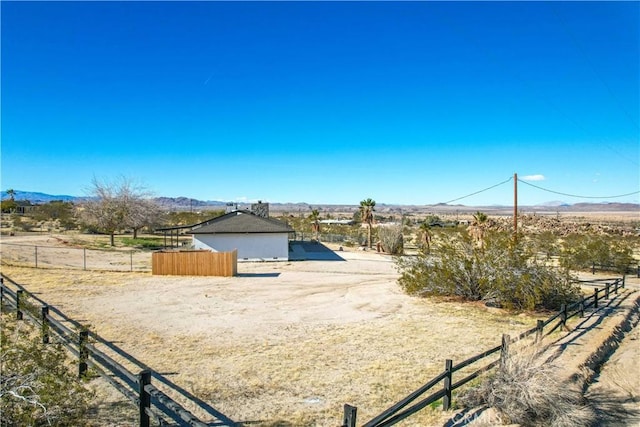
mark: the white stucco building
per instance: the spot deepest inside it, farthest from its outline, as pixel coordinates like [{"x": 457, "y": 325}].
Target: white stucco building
[{"x": 255, "y": 237}]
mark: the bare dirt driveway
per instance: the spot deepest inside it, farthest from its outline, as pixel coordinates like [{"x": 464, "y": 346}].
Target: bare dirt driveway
[{"x": 283, "y": 343}]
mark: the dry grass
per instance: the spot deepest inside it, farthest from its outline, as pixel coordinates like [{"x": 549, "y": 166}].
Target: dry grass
[
  {"x": 285, "y": 350},
  {"x": 528, "y": 391}
]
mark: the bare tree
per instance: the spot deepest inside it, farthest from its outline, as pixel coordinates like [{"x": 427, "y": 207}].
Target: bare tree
[
  {"x": 140, "y": 209},
  {"x": 119, "y": 205}
]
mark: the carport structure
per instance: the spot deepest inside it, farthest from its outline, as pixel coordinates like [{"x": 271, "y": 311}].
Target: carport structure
[{"x": 170, "y": 231}]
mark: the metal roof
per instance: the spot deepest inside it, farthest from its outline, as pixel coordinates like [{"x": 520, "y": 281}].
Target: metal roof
[{"x": 241, "y": 222}]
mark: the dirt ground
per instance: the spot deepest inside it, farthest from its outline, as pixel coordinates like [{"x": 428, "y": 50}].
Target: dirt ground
[{"x": 284, "y": 343}]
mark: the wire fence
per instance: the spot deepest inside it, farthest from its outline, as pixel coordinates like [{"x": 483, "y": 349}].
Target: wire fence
[{"x": 75, "y": 258}]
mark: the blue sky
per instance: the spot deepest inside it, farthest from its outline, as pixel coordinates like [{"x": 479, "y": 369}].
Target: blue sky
[{"x": 324, "y": 102}]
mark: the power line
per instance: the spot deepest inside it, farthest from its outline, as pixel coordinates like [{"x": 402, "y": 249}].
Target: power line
[
  {"x": 480, "y": 191},
  {"x": 577, "y": 196}
]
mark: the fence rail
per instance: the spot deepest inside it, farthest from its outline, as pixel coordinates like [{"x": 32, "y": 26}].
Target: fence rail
[
  {"x": 80, "y": 342},
  {"x": 629, "y": 269},
  {"x": 402, "y": 409}
]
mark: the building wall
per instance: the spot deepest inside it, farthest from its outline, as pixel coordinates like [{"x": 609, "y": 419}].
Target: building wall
[{"x": 251, "y": 247}]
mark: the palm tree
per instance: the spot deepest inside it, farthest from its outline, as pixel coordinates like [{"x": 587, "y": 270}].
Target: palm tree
[
  {"x": 315, "y": 216},
  {"x": 479, "y": 218},
  {"x": 366, "y": 215},
  {"x": 11, "y": 193},
  {"x": 477, "y": 228},
  {"x": 425, "y": 229}
]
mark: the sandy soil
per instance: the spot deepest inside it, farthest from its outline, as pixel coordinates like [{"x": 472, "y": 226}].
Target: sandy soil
[
  {"x": 284, "y": 344},
  {"x": 615, "y": 391}
]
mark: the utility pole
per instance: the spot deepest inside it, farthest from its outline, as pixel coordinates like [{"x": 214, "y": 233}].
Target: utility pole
[{"x": 515, "y": 206}]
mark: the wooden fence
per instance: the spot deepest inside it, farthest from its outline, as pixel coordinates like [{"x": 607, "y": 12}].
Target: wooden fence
[
  {"x": 406, "y": 407},
  {"x": 153, "y": 402},
  {"x": 195, "y": 263}
]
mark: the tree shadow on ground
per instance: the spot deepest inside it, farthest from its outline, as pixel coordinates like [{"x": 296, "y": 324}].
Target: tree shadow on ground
[{"x": 614, "y": 409}]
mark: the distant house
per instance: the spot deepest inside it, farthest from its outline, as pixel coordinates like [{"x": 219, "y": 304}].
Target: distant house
[{"x": 257, "y": 238}]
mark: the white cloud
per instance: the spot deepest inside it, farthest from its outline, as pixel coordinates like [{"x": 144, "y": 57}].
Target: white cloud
[{"x": 533, "y": 177}]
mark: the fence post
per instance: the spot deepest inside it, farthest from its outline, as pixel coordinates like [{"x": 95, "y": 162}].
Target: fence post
[
  {"x": 595, "y": 298},
  {"x": 45, "y": 324},
  {"x": 563, "y": 316},
  {"x": 84, "y": 258},
  {"x": 615, "y": 286},
  {"x": 606, "y": 291},
  {"x": 144, "y": 379},
  {"x": 539, "y": 328},
  {"x": 36, "y": 252},
  {"x": 1, "y": 292},
  {"x": 83, "y": 353},
  {"x": 504, "y": 351},
  {"x": 582, "y": 307},
  {"x": 349, "y": 419},
  {"x": 19, "y": 294},
  {"x": 446, "y": 400},
  {"x": 131, "y": 254},
  {"x": 593, "y": 268}
]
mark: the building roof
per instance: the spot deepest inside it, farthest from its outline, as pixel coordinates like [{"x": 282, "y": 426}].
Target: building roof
[{"x": 241, "y": 222}]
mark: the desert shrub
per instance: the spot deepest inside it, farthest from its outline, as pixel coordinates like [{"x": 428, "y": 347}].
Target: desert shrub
[
  {"x": 546, "y": 243},
  {"x": 143, "y": 242},
  {"x": 500, "y": 272},
  {"x": 527, "y": 391},
  {"x": 580, "y": 252},
  {"x": 37, "y": 388},
  {"x": 391, "y": 239}
]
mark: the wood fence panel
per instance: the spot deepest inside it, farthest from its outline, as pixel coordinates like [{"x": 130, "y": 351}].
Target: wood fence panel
[{"x": 195, "y": 263}]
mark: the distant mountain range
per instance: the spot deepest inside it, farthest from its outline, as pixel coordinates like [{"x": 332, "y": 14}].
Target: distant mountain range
[
  {"x": 37, "y": 198},
  {"x": 186, "y": 203}
]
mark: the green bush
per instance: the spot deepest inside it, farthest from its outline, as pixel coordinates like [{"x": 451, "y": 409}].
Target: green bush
[
  {"x": 37, "y": 386},
  {"x": 581, "y": 252},
  {"x": 499, "y": 272}
]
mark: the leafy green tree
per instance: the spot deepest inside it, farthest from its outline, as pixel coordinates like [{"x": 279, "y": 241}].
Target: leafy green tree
[
  {"x": 63, "y": 212},
  {"x": 8, "y": 206},
  {"x": 367, "y": 207}
]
